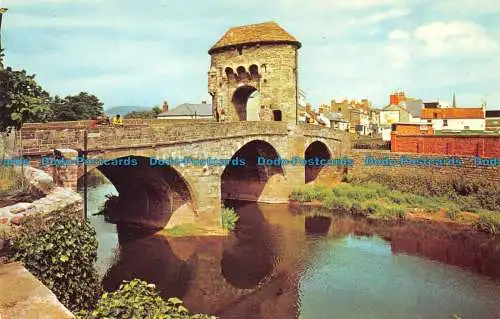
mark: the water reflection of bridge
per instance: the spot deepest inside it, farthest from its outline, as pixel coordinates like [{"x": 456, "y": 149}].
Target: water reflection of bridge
[
  {"x": 255, "y": 272},
  {"x": 246, "y": 273}
]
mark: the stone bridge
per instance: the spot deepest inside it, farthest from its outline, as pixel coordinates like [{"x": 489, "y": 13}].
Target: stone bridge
[{"x": 188, "y": 194}]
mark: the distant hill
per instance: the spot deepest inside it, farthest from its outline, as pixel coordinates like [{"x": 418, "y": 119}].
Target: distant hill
[{"x": 122, "y": 110}]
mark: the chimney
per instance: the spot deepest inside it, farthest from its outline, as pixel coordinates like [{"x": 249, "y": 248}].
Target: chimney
[{"x": 165, "y": 106}]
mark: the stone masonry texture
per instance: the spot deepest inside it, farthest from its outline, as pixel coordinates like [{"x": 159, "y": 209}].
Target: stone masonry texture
[{"x": 276, "y": 77}]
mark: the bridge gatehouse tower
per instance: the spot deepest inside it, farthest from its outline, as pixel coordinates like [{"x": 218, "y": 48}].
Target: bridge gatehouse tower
[{"x": 253, "y": 74}]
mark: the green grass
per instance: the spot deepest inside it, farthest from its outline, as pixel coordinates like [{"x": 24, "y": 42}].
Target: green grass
[{"x": 377, "y": 201}]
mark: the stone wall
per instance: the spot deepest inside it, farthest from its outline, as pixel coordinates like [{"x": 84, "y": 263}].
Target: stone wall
[
  {"x": 22, "y": 296},
  {"x": 483, "y": 146},
  {"x": 276, "y": 83},
  {"x": 57, "y": 199},
  {"x": 468, "y": 169}
]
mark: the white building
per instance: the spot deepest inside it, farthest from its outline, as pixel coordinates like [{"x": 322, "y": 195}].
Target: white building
[
  {"x": 454, "y": 119},
  {"x": 334, "y": 121}
]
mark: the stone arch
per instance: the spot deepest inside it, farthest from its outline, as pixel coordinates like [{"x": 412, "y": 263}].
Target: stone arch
[
  {"x": 231, "y": 76},
  {"x": 252, "y": 181},
  {"x": 244, "y": 110},
  {"x": 158, "y": 197},
  {"x": 320, "y": 151},
  {"x": 242, "y": 73},
  {"x": 254, "y": 71}
]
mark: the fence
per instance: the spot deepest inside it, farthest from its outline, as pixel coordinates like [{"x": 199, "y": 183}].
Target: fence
[{"x": 11, "y": 172}]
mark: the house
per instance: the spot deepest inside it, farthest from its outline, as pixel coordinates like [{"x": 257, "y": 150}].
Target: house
[
  {"x": 334, "y": 121},
  {"x": 188, "y": 111},
  {"x": 456, "y": 119},
  {"x": 357, "y": 113},
  {"x": 493, "y": 120},
  {"x": 414, "y": 107},
  {"x": 310, "y": 116}
]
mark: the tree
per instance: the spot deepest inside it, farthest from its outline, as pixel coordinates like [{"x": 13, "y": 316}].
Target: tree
[
  {"x": 83, "y": 106},
  {"x": 22, "y": 99},
  {"x": 149, "y": 114}
]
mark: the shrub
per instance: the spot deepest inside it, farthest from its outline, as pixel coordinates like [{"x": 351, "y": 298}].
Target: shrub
[
  {"x": 138, "y": 299},
  {"x": 300, "y": 196},
  {"x": 356, "y": 210},
  {"x": 488, "y": 222},
  {"x": 308, "y": 194},
  {"x": 61, "y": 253},
  {"x": 397, "y": 197},
  {"x": 371, "y": 206},
  {"x": 453, "y": 211},
  {"x": 229, "y": 218},
  {"x": 337, "y": 203},
  {"x": 391, "y": 212}
]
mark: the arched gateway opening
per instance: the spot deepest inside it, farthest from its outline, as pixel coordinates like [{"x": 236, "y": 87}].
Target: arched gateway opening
[
  {"x": 248, "y": 182},
  {"x": 148, "y": 196},
  {"x": 246, "y": 102}
]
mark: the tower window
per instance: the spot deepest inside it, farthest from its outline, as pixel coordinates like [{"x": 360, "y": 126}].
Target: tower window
[
  {"x": 277, "y": 115},
  {"x": 240, "y": 50}
]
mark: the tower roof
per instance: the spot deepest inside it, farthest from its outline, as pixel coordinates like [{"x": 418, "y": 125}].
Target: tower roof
[{"x": 267, "y": 32}]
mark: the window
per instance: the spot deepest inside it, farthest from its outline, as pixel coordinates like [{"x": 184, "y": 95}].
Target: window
[
  {"x": 466, "y": 127},
  {"x": 340, "y": 109},
  {"x": 429, "y": 121},
  {"x": 277, "y": 115},
  {"x": 445, "y": 122},
  {"x": 435, "y": 115},
  {"x": 240, "y": 50}
]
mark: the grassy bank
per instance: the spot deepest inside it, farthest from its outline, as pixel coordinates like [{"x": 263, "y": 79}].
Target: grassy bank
[{"x": 375, "y": 200}]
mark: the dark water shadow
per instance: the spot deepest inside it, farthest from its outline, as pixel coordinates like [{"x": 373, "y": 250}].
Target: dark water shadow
[
  {"x": 317, "y": 225},
  {"x": 250, "y": 254},
  {"x": 148, "y": 256}
]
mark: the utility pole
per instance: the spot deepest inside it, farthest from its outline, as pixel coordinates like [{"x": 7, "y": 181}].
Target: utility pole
[{"x": 2, "y": 11}]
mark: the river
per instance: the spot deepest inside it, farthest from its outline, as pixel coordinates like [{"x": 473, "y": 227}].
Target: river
[{"x": 280, "y": 263}]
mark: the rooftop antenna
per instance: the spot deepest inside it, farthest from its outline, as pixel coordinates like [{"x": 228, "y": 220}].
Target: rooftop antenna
[
  {"x": 454, "y": 102},
  {"x": 483, "y": 102}
]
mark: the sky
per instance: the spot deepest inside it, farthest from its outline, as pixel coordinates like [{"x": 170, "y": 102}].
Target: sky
[{"x": 144, "y": 52}]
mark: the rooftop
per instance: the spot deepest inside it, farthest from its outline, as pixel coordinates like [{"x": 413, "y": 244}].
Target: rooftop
[
  {"x": 189, "y": 109},
  {"x": 267, "y": 32},
  {"x": 452, "y": 113}
]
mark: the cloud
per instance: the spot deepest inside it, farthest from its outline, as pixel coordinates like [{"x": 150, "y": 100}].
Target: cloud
[
  {"x": 455, "y": 38},
  {"x": 468, "y": 7},
  {"x": 378, "y": 17},
  {"x": 399, "y": 34},
  {"x": 9, "y": 3}
]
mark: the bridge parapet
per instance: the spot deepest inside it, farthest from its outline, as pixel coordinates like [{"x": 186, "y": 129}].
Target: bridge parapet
[{"x": 38, "y": 139}]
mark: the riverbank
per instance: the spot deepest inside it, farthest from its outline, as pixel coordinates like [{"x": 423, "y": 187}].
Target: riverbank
[{"x": 376, "y": 201}]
